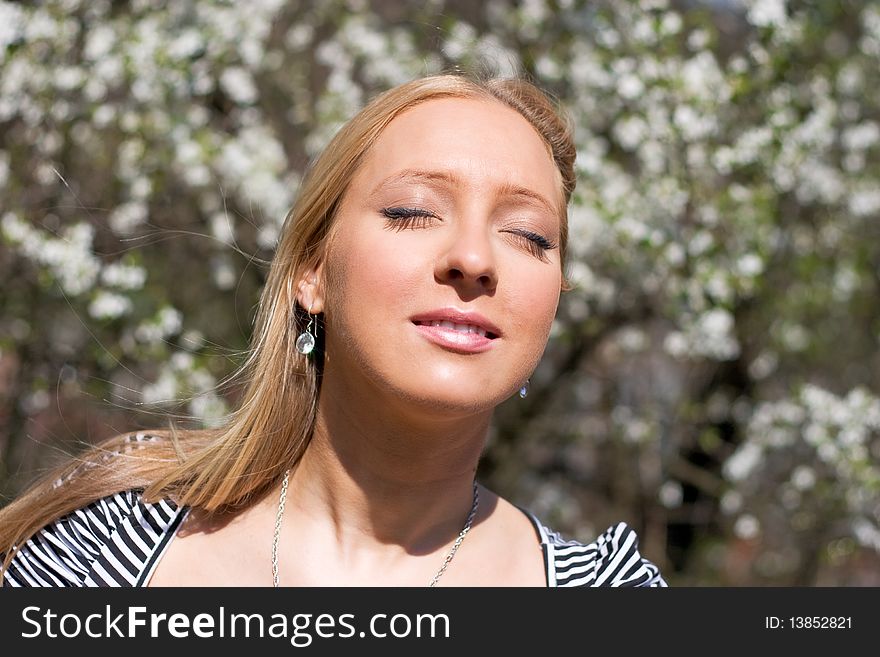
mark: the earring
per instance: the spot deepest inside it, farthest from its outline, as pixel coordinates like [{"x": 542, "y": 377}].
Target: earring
[
  {"x": 306, "y": 340},
  {"x": 524, "y": 390}
]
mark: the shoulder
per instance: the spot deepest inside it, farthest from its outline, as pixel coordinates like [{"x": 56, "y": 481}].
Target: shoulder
[
  {"x": 613, "y": 559},
  {"x": 113, "y": 541}
]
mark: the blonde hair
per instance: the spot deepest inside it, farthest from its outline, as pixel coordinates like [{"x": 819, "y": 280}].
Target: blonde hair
[{"x": 233, "y": 467}]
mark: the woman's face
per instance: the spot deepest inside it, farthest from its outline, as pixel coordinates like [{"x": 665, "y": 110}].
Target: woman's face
[{"x": 443, "y": 271}]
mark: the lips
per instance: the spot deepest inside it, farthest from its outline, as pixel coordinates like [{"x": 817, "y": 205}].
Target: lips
[
  {"x": 461, "y": 328},
  {"x": 458, "y": 331},
  {"x": 465, "y": 321}
]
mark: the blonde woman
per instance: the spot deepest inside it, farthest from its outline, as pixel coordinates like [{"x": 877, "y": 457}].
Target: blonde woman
[{"x": 412, "y": 291}]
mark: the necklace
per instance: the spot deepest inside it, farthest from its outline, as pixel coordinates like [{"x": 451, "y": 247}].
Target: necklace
[{"x": 446, "y": 561}]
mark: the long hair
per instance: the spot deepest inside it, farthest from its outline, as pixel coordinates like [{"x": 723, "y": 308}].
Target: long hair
[{"x": 232, "y": 467}]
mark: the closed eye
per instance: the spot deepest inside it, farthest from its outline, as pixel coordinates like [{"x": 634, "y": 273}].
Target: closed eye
[
  {"x": 536, "y": 244},
  {"x": 403, "y": 218}
]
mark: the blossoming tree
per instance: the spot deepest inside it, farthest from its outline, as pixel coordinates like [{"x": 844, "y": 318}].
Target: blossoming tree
[{"x": 713, "y": 375}]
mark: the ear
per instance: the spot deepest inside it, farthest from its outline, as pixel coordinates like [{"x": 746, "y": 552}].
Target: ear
[{"x": 310, "y": 288}]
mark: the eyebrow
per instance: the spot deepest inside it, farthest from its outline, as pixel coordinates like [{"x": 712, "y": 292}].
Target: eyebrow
[{"x": 446, "y": 178}]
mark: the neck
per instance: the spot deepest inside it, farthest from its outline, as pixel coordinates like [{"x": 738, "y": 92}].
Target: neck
[{"x": 380, "y": 477}]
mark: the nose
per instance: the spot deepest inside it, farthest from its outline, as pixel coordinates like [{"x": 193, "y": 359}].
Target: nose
[{"x": 467, "y": 261}]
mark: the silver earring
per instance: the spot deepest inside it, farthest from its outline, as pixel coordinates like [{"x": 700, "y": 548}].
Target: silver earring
[
  {"x": 306, "y": 340},
  {"x": 524, "y": 390}
]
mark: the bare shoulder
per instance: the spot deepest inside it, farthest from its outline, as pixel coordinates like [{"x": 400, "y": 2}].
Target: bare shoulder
[
  {"x": 216, "y": 550},
  {"x": 501, "y": 549},
  {"x": 506, "y": 550},
  {"x": 509, "y": 519}
]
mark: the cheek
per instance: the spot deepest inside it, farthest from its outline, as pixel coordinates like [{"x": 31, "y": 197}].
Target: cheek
[
  {"x": 534, "y": 302},
  {"x": 369, "y": 272}
]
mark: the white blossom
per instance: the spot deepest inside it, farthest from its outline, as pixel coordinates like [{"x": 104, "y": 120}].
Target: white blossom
[
  {"x": 630, "y": 86},
  {"x": 846, "y": 282},
  {"x": 239, "y": 84},
  {"x": 731, "y": 502},
  {"x": 299, "y": 36},
  {"x": 209, "y": 408},
  {"x": 254, "y": 162},
  {"x": 167, "y": 322},
  {"x": 632, "y": 339},
  {"x": 186, "y": 44},
  {"x": 164, "y": 389},
  {"x": 751, "y": 144},
  {"x": 222, "y": 228},
  {"x": 69, "y": 258},
  {"x": 12, "y": 21},
  {"x": 701, "y": 242},
  {"x": 181, "y": 361},
  {"x": 794, "y": 337},
  {"x": 630, "y": 132},
  {"x": 710, "y": 335},
  {"x": 867, "y": 533},
  {"x": 865, "y": 202},
  {"x": 35, "y": 401},
  {"x": 719, "y": 287},
  {"x": 764, "y": 365},
  {"x": 462, "y": 38},
  {"x": 580, "y": 275},
  {"x": 670, "y": 24},
  {"x": 267, "y": 236},
  {"x": 675, "y": 344},
  {"x": 820, "y": 182},
  {"x": 223, "y": 273},
  {"x": 192, "y": 339},
  {"x": 703, "y": 80},
  {"x": 675, "y": 254},
  {"x": 693, "y": 125},
  {"x": 109, "y": 305},
  {"x": 750, "y": 264},
  {"x": 125, "y": 218},
  {"x": 671, "y": 494},
  {"x": 803, "y": 477},
  {"x": 766, "y": 13},
  {"x": 746, "y": 527},
  {"x": 124, "y": 277},
  {"x": 698, "y": 39},
  {"x": 861, "y": 136},
  {"x": 715, "y": 329}
]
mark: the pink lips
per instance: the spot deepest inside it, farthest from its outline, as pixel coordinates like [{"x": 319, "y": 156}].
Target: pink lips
[{"x": 462, "y": 331}]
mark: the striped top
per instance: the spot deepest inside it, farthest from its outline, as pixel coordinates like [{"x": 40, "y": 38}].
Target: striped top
[{"x": 118, "y": 541}]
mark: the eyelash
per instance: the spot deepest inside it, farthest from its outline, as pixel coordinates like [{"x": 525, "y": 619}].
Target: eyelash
[{"x": 403, "y": 218}]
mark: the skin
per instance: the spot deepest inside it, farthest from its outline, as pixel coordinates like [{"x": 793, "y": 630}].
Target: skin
[{"x": 386, "y": 482}]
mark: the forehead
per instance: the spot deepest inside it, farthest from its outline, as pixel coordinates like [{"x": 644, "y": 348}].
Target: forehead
[{"x": 482, "y": 142}]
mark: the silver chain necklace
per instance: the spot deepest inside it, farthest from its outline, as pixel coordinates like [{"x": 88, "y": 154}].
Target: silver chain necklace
[{"x": 446, "y": 561}]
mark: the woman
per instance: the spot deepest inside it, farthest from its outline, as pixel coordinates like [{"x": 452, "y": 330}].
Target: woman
[{"x": 412, "y": 291}]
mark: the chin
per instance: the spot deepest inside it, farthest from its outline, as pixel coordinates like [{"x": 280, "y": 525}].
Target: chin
[{"x": 453, "y": 401}]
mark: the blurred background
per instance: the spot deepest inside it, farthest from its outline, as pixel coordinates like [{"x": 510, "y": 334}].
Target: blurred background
[{"x": 712, "y": 379}]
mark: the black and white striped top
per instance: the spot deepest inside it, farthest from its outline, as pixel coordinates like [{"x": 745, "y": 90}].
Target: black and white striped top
[{"x": 119, "y": 540}]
